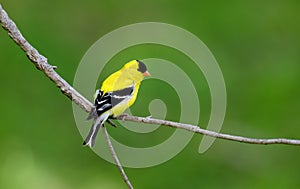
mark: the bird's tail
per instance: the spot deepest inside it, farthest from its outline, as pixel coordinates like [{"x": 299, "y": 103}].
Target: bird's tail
[
  {"x": 92, "y": 114},
  {"x": 90, "y": 139}
]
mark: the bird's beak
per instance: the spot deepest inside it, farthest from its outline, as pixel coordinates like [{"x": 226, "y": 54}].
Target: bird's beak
[{"x": 146, "y": 73}]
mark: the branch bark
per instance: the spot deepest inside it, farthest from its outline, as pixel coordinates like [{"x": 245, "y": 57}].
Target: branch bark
[
  {"x": 197, "y": 129},
  {"x": 114, "y": 155},
  {"x": 42, "y": 64}
]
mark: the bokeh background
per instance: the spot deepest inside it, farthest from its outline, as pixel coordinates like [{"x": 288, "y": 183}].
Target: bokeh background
[{"x": 256, "y": 44}]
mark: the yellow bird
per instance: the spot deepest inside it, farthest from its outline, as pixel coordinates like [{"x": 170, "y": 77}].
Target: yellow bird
[{"x": 117, "y": 93}]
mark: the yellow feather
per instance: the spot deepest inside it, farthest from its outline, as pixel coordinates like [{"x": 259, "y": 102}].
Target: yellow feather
[
  {"x": 127, "y": 77},
  {"x": 124, "y": 78}
]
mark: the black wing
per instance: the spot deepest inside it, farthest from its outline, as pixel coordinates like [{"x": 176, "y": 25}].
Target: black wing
[{"x": 107, "y": 101}]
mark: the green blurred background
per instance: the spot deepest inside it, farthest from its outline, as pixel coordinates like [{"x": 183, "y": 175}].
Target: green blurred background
[{"x": 256, "y": 44}]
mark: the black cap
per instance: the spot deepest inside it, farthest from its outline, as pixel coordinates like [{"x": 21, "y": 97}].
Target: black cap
[{"x": 142, "y": 67}]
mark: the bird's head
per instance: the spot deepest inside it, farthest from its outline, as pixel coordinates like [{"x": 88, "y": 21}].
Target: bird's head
[{"x": 136, "y": 69}]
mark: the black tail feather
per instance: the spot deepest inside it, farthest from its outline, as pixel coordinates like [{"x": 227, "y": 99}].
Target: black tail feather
[
  {"x": 98, "y": 121},
  {"x": 93, "y": 114},
  {"x": 91, "y": 138}
]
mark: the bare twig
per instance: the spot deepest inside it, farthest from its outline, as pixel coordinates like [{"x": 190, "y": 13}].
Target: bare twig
[
  {"x": 42, "y": 64},
  {"x": 197, "y": 129},
  {"x": 114, "y": 155}
]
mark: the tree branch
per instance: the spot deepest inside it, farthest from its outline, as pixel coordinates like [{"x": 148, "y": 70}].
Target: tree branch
[
  {"x": 197, "y": 129},
  {"x": 42, "y": 64},
  {"x": 114, "y": 155}
]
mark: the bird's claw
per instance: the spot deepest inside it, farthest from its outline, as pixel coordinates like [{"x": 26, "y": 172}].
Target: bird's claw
[
  {"x": 123, "y": 116},
  {"x": 111, "y": 123}
]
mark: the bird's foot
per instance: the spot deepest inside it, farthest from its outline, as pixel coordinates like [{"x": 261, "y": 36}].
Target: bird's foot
[
  {"x": 111, "y": 123},
  {"x": 123, "y": 116}
]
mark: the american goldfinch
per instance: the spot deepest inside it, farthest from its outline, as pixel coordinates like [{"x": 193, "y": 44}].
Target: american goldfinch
[{"x": 117, "y": 93}]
